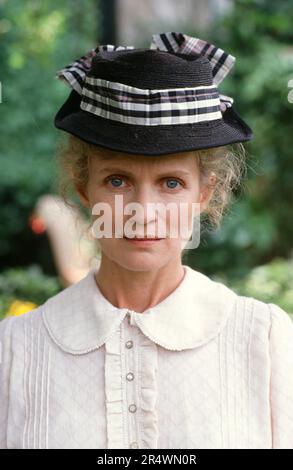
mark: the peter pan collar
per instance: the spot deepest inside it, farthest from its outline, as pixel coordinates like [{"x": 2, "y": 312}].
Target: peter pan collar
[{"x": 80, "y": 319}]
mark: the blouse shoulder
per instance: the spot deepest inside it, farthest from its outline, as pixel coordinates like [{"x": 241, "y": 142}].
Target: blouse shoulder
[
  {"x": 12, "y": 328},
  {"x": 5, "y": 336},
  {"x": 7, "y": 327},
  {"x": 280, "y": 318},
  {"x": 265, "y": 313},
  {"x": 281, "y": 335},
  {"x": 266, "y": 323}
]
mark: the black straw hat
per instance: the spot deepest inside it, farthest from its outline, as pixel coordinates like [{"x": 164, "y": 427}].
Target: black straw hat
[{"x": 152, "y": 101}]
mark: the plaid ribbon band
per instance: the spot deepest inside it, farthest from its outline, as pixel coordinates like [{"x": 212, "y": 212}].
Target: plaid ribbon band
[{"x": 120, "y": 102}]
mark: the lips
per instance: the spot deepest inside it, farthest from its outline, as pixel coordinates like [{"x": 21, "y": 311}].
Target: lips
[{"x": 142, "y": 239}]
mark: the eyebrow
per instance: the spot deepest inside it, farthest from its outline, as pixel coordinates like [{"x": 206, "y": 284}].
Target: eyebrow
[{"x": 128, "y": 173}]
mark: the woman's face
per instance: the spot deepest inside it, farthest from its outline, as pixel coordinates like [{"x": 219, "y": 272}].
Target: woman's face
[{"x": 146, "y": 181}]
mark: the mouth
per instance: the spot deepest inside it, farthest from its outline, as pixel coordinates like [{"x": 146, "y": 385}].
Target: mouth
[{"x": 142, "y": 238}]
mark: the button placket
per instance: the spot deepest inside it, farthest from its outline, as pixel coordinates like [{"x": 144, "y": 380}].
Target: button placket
[{"x": 130, "y": 384}]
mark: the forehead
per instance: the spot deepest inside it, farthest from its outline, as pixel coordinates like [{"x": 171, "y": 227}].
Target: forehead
[{"x": 108, "y": 159}]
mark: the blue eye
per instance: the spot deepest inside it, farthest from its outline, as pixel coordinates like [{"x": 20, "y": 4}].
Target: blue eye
[
  {"x": 172, "y": 186},
  {"x": 115, "y": 180}
]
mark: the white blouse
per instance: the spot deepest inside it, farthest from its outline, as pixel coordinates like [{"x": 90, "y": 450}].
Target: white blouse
[{"x": 204, "y": 368}]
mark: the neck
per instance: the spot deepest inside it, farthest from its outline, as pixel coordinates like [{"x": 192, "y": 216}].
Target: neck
[{"x": 137, "y": 290}]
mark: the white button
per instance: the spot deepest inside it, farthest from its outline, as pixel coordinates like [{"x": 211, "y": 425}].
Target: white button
[
  {"x": 132, "y": 408},
  {"x": 130, "y": 376},
  {"x": 129, "y": 344},
  {"x": 134, "y": 445}
]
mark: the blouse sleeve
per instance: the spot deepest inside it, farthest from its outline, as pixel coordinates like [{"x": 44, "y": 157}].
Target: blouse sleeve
[
  {"x": 281, "y": 383},
  {"x": 5, "y": 364}
]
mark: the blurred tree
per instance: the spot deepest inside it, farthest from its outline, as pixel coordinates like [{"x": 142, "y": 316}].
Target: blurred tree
[
  {"x": 258, "y": 226},
  {"x": 37, "y": 38}
]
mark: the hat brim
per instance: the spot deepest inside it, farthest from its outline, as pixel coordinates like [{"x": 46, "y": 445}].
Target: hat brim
[{"x": 150, "y": 140}]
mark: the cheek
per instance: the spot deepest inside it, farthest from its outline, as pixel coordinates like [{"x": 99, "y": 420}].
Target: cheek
[
  {"x": 183, "y": 218},
  {"x": 97, "y": 194},
  {"x": 99, "y": 199}
]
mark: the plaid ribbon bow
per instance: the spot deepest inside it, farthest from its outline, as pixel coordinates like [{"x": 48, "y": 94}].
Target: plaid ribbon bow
[
  {"x": 221, "y": 62},
  {"x": 75, "y": 73}
]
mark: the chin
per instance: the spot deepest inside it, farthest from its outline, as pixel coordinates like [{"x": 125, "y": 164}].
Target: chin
[{"x": 140, "y": 262}]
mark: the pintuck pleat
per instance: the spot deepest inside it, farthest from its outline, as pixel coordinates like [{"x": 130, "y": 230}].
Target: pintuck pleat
[{"x": 37, "y": 364}]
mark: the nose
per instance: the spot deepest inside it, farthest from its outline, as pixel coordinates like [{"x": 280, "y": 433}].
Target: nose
[
  {"x": 145, "y": 199},
  {"x": 142, "y": 207}
]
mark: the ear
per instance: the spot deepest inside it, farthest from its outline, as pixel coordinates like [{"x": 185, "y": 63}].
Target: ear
[
  {"x": 207, "y": 191},
  {"x": 82, "y": 196}
]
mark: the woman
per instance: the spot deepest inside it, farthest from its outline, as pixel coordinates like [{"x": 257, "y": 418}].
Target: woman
[{"x": 146, "y": 352}]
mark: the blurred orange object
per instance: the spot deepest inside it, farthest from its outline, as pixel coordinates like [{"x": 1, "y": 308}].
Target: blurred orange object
[{"x": 37, "y": 224}]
